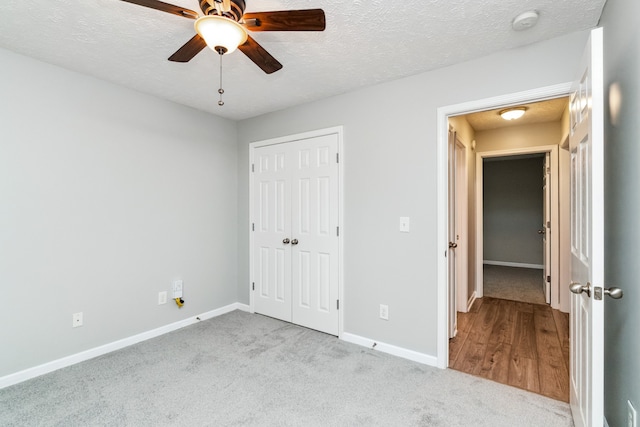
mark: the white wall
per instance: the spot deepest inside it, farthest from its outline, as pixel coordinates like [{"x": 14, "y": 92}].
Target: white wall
[
  {"x": 106, "y": 196},
  {"x": 390, "y": 171},
  {"x": 621, "y": 22}
]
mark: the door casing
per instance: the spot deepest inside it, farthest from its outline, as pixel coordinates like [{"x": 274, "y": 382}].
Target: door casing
[
  {"x": 338, "y": 130},
  {"x": 443, "y": 114}
]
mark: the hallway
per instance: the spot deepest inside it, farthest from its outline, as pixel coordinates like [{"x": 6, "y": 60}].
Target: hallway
[{"x": 520, "y": 344}]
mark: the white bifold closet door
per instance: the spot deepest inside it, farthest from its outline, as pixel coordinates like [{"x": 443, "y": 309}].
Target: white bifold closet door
[{"x": 295, "y": 242}]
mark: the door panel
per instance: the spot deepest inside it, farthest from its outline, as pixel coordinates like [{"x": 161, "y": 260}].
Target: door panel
[
  {"x": 587, "y": 237},
  {"x": 314, "y": 225},
  {"x": 273, "y": 219},
  {"x": 546, "y": 236}
]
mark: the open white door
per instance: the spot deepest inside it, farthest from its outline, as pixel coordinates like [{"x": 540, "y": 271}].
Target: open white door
[
  {"x": 453, "y": 315},
  {"x": 546, "y": 226},
  {"x": 587, "y": 238}
]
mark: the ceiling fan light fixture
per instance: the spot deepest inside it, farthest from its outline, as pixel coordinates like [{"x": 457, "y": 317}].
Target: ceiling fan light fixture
[
  {"x": 221, "y": 34},
  {"x": 513, "y": 113}
]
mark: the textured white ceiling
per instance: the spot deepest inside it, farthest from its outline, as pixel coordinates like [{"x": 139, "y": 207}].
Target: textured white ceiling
[{"x": 366, "y": 42}]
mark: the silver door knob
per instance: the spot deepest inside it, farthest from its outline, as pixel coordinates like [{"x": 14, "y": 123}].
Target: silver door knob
[
  {"x": 542, "y": 231},
  {"x": 294, "y": 242},
  {"x": 578, "y": 288},
  {"x": 286, "y": 241},
  {"x": 453, "y": 245},
  {"x": 615, "y": 293}
]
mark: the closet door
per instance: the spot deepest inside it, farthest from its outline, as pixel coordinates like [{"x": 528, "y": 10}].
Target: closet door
[
  {"x": 314, "y": 228},
  {"x": 272, "y": 231},
  {"x": 296, "y": 244}
]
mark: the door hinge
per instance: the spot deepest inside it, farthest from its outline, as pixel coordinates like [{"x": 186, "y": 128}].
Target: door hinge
[
  {"x": 253, "y": 226},
  {"x": 337, "y": 157},
  {"x": 337, "y": 304},
  {"x": 253, "y": 286},
  {"x": 253, "y": 167},
  {"x": 549, "y": 225},
  {"x": 337, "y": 231},
  {"x": 549, "y": 279}
]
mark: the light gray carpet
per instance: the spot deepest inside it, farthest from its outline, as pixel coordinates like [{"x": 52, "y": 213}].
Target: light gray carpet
[
  {"x": 514, "y": 283},
  {"x": 241, "y": 369}
]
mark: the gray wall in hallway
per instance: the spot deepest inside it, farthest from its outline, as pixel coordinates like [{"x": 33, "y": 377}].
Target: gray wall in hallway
[
  {"x": 512, "y": 210},
  {"x": 621, "y": 23}
]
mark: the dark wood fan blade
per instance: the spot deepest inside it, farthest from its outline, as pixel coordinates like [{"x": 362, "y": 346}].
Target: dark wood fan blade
[
  {"x": 260, "y": 56},
  {"x": 189, "y": 50},
  {"x": 165, "y": 7},
  {"x": 286, "y": 20}
]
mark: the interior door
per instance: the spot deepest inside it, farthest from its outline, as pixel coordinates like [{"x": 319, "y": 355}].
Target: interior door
[
  {"x": 314, "y": 237},
  {"x": 546, "y": 229},
  {"x": 452, "y": 235},
  {"x": 295, "y": 232},
  {"x": 587, "y": 237},
  {"x": 272, "y": 231}
]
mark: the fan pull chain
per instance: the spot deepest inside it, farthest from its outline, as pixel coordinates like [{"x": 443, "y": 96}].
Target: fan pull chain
[{"x": 221, "y": 91}]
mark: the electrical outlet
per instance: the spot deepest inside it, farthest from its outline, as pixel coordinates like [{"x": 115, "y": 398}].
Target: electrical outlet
[
  {"x": 632, "y": 415},
  {"x": 162, "y": 297},
  {"x": 384, "y": 312},
  {"x": 404, "y": 224},
  {"x": 77, "y": 320},
  {"x": 177, "y": 289}
]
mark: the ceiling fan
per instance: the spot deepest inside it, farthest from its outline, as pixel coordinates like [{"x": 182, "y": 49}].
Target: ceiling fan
[{"x": 224, "y": 24}]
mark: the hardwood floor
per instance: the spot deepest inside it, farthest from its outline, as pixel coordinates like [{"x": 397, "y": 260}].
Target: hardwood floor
[{"x": 520, "y": 344}]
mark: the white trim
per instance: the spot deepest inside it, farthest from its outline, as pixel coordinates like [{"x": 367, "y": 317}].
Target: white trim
[
  {"x": 514, "y": 264},
  {"x": 54, "y": 365},
  {"x": 339, "y": 131},
  {"x": 415, "y": 356},
  {"x": 443, "y": 113},
  {"x": 471, "y": 301}
]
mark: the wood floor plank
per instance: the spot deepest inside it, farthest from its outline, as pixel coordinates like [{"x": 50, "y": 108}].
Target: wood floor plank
[
  {"x": 502, "y": 331},
  {"x": 562, "y": 326},
  {"x": 523, "y": 373},
  {"x": 455, "y": 346},
  {"x": 547, "y": 341},
  {"x": 524, "y": 337},
  {"x": 495, "y": 365},
  {"x": 471, "y": 356},
  {"x": 554, "y": 378},
  {"x": 484, "y": 322}
]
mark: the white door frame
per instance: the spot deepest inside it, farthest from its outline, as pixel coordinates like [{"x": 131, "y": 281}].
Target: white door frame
[
  {"x": 339, "y": 131},
  {"x": 533, "y": 95},
  {"x": 462, "y": 197},
  {"x": 555, "y": 215}
]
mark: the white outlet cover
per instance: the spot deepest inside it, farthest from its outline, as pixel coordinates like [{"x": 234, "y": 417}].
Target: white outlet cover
[
  {"x": 404, "y": 224},
  {"x": 384, "y": 311},
  {"x": 77, "y": 320},
  {"x": 177, "y": 289}
]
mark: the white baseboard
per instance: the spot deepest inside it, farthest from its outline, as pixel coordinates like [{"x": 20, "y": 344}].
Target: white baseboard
[
  {"x": 45, "y": 368},
  {"x": 243, "y": 307},
  {"x": 514, "y": 264},
  {"x": 391, "y": 349},
  {"x": 471, "y": 301}
]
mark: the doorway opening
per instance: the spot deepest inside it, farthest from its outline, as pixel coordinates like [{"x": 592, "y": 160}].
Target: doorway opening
[{"x": 495, "y": 334}]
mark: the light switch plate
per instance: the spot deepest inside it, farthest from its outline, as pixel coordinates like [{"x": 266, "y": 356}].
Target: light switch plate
[{"x": 404, "y": 224}]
